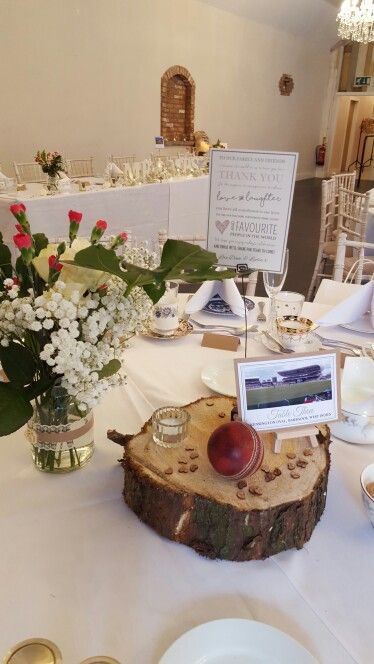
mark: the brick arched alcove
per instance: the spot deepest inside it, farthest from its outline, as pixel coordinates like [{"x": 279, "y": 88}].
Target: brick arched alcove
[{"x": 177, "y": 105}]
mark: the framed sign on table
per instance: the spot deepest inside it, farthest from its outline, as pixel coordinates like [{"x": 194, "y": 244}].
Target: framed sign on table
[{"x": 250, "y": 203}]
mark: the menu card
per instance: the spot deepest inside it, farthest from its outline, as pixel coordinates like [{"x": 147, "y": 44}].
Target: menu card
[{"x": 250, "y": 204}]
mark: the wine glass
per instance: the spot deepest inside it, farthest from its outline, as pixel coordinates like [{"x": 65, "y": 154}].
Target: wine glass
[{"x": 273, "y": 282}]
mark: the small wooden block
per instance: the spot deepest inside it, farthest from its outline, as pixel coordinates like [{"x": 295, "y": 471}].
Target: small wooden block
[{"x": 221, "y": 341}]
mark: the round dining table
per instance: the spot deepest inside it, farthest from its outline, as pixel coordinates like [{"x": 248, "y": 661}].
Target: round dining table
[{"x": 79, "y": 568}]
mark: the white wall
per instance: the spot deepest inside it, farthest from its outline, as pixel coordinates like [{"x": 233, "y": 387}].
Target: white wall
[{"x": 83, "y": 77}]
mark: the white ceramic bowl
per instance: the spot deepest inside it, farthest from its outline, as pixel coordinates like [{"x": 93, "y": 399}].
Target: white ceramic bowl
[
  {"x": 354, "y": 428},
  {"x": 367, "y": 476},
  {"x": 356, "y": 424}
]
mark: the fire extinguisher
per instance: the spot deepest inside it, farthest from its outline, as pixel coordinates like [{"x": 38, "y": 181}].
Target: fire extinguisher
[{"x": 321, "y": 153}]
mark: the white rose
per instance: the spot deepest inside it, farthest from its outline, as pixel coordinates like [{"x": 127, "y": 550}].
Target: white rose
[{"x": 74, "y": 277}]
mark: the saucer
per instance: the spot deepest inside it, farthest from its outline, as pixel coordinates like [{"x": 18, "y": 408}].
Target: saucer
[
  {"x": 182, "y": 330},
  {"x": 312, "y": 344}
]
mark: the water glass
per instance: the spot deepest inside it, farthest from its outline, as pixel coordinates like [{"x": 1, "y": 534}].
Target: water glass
[
  {"x": 273, "y": 282},
  {"x": 287, "y": 303},
  {"x": 170, "y": 426}
]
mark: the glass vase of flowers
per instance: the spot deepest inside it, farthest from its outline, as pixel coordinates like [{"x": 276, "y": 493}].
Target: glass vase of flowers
[
  {"x": 65, "y": 312},
  {"x": 51, "y": 163}
]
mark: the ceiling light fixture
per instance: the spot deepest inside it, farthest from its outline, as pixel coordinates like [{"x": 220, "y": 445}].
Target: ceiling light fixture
[{"x": 356, "y": 21}]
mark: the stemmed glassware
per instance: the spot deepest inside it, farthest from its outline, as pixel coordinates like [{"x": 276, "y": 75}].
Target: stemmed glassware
[{"x": 274, "y": 283}]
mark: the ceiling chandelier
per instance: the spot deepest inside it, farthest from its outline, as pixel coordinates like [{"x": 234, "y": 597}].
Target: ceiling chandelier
[{"x": 356, "y": 21}]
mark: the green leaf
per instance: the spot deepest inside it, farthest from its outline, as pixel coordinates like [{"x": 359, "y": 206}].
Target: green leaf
[
  {"x": 178, "y": 256},
  {"x": 18, "y": 363},
  {"x": 5, "y": 260},
  {"x": 36, "y": 389},
  {"x": 40, "y": 242},
  {"x": 155, "y": 291},
  {"x": 97, "y": 257},
  {"x": 109, "y": 369},
  {"x": 15, "y": 409},
  {"x": 179, "y": 260}
]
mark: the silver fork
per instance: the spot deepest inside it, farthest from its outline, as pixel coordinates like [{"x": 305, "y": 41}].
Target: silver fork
[
  {"x": 226, "y": 328},
  {"x": 344, "y": 345}
]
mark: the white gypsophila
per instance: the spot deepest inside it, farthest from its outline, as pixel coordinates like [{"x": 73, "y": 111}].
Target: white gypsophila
[
  {"x": 79, "y": 334},
  {"x": 140, "y": 256}
]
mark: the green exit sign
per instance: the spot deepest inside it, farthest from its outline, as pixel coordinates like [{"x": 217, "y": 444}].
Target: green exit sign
[{"x": 362, "y": 80}]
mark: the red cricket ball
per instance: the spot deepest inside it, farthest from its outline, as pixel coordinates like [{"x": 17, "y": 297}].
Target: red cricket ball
[{"x": 235, "y": 450}]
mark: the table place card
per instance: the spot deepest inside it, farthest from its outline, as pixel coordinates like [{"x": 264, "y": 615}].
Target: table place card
[
  {"x": 250, "y": 202},
  {"x": 292, "y": 392},
  {"x": 221, "y": 341},
  {"x": 159, "y": 141}
]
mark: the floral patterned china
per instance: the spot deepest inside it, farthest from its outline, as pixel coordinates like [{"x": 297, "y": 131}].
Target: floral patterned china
[{"x": 218, "y": 306}]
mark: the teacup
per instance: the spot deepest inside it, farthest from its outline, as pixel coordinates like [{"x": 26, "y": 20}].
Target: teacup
[
  {"x": 367, "y": 489},
  {"x": 165, "y": 318},
  {"x": 165, "y": 312},
  {"x": 293, "y": 331}
]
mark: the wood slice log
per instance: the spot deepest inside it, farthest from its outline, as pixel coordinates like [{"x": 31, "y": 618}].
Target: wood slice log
[{"x": 178, "y": 493}]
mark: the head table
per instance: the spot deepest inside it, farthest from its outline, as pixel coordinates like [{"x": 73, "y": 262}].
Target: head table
[
  {"x": 178, "y": 206},
  {"x": 79, "y": 568}
]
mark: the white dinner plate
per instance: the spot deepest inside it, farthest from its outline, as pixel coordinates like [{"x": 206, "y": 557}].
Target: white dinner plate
[
  {"x": 361, "y": 325},
  {"x": 236, "y": 641},
  {"x": 220, "y": 377},
  {"x": 313, "y": 344}
]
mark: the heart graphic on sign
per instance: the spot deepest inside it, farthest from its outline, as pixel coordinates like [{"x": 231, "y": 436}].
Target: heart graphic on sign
[{"x": 222, "y": 225}]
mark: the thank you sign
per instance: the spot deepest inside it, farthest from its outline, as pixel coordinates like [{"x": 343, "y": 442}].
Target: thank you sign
[{"x": 250, "y": 204}]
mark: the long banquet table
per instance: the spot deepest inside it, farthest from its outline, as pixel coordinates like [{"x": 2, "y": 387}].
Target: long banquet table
[
  {"x": 177, "y": 206},
  {"x": 79, "y": 568}
]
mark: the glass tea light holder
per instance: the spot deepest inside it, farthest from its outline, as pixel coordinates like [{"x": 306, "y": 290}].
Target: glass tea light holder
[{"x": 170, "y": 426}]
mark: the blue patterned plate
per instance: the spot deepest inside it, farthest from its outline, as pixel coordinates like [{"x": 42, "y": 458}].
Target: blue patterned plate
[{"x": 218, "y": 306}]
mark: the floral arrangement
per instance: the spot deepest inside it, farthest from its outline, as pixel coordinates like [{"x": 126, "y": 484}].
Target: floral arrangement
[
  {"x": 64, "y": 309},
  {"x": 51, "y": 162}
]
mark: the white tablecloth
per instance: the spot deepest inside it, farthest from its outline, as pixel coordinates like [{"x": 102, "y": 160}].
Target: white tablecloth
[
  {"x": 79, "y": 568},
  {"x": 180, "y": 207}
]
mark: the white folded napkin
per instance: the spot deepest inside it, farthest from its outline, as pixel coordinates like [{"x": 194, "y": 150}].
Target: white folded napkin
[
  {"x": 351, "y": 308},
  {"x": 358, "y": 394},
  {"x": 226, "y": 289},
  {"x": 63, "y": 176},
  {"x": 332, "y": 292},
  {"x": 112, "y": 170},
  {"x": 3, "y": 177}
]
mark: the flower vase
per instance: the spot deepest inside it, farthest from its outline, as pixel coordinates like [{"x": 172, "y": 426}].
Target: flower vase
[
  {"x": 52, "y": 184},
  {"x": 61, "y": 438}
]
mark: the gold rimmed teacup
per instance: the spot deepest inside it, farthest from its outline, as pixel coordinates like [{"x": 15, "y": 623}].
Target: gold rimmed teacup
[{"x": 293, "y": 331}]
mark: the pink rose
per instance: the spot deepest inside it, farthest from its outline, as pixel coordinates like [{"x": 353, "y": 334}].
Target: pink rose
[
  {"x": 22, "y": 241},
  {"x": 101, "y": 225},
  {"x": 124, "y": 236}
]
